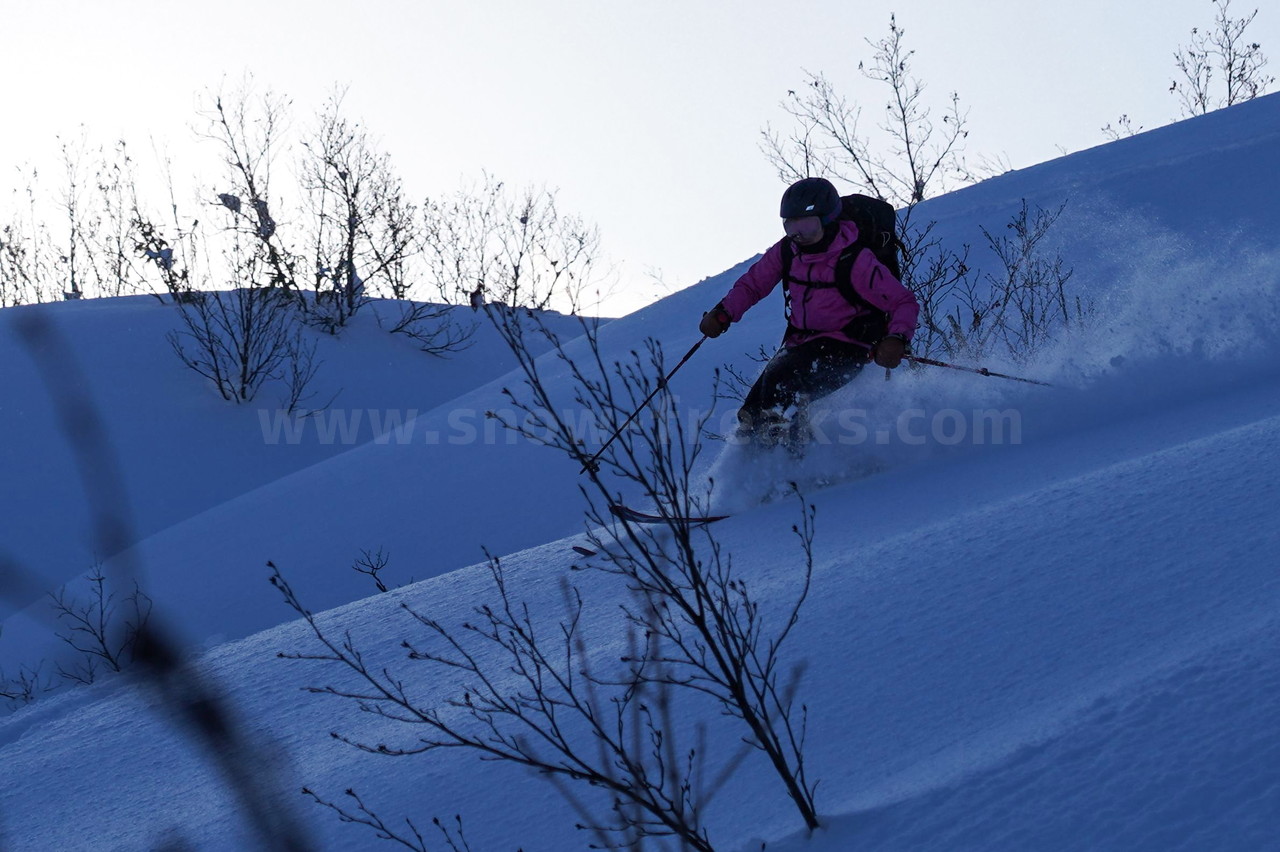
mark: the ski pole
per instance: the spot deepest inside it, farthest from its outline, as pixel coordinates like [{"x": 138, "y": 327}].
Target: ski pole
[
  {"x": 591, "y": 463},
  {"x": 982, "y": 371}
]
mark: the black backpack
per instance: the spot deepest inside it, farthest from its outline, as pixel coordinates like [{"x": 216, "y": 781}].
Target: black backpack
[{"x": 877, "y": 231}]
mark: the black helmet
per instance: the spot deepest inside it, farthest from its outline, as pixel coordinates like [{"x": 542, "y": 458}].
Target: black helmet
[{"x": 811, "y": 197}]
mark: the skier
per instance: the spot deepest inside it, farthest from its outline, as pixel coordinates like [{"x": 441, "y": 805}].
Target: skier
[{"x": 834, "y": 328}]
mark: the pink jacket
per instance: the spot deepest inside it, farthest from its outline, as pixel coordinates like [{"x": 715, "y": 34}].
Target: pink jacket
[{"x": 822, "y": 311}]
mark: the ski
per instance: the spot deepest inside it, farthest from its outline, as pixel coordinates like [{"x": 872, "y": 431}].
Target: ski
[
  {"x": 583, "y": 551},
  {"x": 626, "y": 513}
]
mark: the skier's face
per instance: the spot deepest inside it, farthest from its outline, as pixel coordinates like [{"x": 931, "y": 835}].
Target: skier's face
[{"x": 803, "y": 230}]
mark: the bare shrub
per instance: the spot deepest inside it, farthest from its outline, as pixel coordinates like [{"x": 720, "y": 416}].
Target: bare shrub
[
  {"x": 541, "y": 705},
  {"x": 241, "y": 338},
  {"x": 363, "y": 229},
  {"x": 29, "y": 684},
  {"x": 719, "y": 641},
  {"x": 75, "y": 239},
  {"x": 248, "y": 130},
  {"x": 29, "y": 255},
  {"x": 373, "y": 564},
  {"x": 1220, "y": 67},
  {"x": 512, "y": 248},
  {"x": 363, "y": 235},
  {"x": 111, "y": 235},
  {"x": 19, "y": 282},
  {"x": 1020, "y": 307},
  {"x": 935, "y": 273},
  {"x": 1122, "y": 129},
  {"x": 921, "y": 157},
  {"x": 102, "y": 629}
]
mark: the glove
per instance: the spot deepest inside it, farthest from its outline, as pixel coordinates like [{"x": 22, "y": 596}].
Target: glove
[
  {"x": 889, "y": 352},
  {"x": 715, "y": 322}
]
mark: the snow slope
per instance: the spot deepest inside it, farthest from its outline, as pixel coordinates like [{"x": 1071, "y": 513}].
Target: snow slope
[
  {"x": 190, "y": 459},
  {"x": 1059, "y": 650},
  {"x": 1063, "y": 642},
  {"x": 185, "y": 450}
]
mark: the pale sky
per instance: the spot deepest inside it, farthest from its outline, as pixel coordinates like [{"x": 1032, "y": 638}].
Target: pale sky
[{"x": 645, "y": 114}]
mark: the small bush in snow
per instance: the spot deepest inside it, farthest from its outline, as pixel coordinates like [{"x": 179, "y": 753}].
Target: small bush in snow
[
  {"x": 529, "y": 693},
  {"x": 1010, "y": 312},
  {"x": 1220, "y": 67},
  {"x": 241, "y": 338},
  {"x": 512, "y": 248},
  {"x": 102, "y": 629}
]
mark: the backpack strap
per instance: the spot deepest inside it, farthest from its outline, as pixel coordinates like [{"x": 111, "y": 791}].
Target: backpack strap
[
  {"x": 844, "y": 276},
  {"x": 873, "y": 323},
  {"x": 788, "y": 255}
]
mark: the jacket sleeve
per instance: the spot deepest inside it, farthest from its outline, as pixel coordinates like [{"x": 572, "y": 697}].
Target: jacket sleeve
[
  {"x": 756, "y": 283},
  {"x": 877, "y": 285}
]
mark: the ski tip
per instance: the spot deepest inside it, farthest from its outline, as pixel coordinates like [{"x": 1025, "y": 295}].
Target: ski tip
[{"x": 626, "y": 513}]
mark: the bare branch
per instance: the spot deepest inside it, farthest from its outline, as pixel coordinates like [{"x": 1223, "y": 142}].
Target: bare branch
[{"x": 1220, "y": 53}]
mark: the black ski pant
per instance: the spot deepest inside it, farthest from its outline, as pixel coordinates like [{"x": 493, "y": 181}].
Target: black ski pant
[{"x": 814, "y": 368}]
